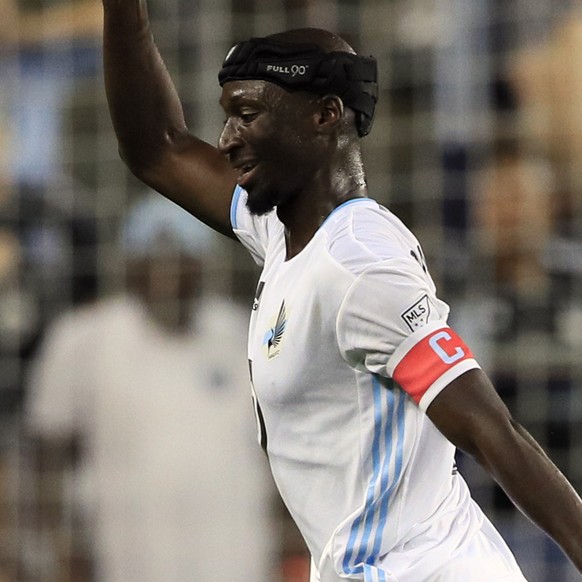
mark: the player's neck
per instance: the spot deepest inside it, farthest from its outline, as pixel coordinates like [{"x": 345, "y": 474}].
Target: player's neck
[
  {"x": 303, "y": 216},
  {"x": 342, "y": 178}
]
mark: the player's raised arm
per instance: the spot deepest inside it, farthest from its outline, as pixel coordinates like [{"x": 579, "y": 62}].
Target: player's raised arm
[
  {"x": 149, "y": 122},
  {"x": 472, "y": 416}
]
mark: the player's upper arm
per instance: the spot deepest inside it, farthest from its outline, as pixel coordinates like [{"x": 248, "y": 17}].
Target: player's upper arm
[
  {"x": 472, "y": 416},
  {"x": 391, "y": 323},
  {"x": 194, "y": 175}
]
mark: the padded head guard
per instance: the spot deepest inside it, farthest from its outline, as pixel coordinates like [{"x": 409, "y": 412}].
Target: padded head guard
[{"x": 306, "y": 67}]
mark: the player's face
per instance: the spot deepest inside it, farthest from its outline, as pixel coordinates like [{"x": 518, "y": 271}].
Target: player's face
[{"x": 267, "y": 138}]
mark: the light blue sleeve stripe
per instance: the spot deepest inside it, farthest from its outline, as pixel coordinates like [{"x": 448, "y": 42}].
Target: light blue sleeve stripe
[{"x": 234, "y": 205}]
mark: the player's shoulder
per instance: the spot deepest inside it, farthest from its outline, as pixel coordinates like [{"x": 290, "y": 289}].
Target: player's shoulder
[{"x": 362, "y": 232}]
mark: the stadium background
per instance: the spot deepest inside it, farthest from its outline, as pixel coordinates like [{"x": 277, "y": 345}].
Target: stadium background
[{"x": 477, "y": 146}]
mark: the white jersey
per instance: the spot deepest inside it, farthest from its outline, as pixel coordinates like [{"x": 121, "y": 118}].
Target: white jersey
[
  {"x": 171, "y": 478},
  {"x": 348, "y": 346}
]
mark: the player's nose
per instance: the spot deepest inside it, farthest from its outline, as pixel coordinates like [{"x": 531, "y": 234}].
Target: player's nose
[{"x": 229, "y": 138}]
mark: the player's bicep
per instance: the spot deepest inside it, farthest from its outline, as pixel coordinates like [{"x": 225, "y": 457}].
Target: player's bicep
[
  {"x": 470, "y": 414},
  {"x": 194, "y": 175}
]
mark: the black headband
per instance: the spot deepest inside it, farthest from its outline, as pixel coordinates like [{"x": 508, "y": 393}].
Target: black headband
[{"x": 306, "y": 67}]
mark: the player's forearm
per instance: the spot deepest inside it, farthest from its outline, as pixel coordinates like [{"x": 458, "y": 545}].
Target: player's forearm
[
  {"x": 538, "y": 488},
  {"x": 471, "y": 415},
  {"x": 145, "y": 108}
]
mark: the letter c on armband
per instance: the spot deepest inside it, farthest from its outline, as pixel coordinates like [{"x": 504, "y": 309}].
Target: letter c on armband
[{"x": 438, "y": 343}]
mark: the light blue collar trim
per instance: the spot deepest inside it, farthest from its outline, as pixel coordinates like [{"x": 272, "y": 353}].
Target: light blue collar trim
[
  {"x": 344, "y": 204},
  {"x": 234, "y": 205}
]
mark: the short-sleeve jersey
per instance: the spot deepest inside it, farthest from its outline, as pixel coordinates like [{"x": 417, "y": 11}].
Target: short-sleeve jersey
[{"x": 348, "y": 346}]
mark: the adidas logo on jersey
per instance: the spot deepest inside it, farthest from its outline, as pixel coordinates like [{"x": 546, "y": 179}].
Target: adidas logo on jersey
[{"x": 258, "y": 295}]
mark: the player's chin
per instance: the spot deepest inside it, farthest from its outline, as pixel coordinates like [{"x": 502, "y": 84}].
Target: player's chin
[{"x": 260, "y": 202}]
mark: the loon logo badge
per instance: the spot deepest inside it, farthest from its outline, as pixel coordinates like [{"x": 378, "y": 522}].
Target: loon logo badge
[{"x": 273, "y": 337}]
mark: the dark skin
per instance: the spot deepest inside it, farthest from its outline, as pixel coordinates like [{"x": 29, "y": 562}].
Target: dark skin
[
  {"x": 301, "y": 153},
  {"x": 289, "y": 173}
]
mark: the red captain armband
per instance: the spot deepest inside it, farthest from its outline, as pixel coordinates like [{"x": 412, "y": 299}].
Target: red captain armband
[{"x": 432, "y": 363}]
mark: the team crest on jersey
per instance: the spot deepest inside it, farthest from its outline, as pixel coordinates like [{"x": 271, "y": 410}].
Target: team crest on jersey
[
  {"x": 417, "y": 316},
  {"x": 273, "y": 337}
]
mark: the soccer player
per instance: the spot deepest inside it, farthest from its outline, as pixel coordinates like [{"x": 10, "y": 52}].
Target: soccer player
[{"x": 361, "y": 389}]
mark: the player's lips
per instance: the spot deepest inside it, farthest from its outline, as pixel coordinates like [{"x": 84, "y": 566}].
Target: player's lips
[{"x": 246, "y": 171}]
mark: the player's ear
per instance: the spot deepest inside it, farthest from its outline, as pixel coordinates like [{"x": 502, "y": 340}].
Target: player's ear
[{"x": 330, "y": 113}]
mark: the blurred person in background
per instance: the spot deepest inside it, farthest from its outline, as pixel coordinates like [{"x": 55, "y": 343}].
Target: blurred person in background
[
  {"x": 47, "y": 261},
  {"x": 54, "y": 236},
  {"x": 138, "y": 406},
  {"x": 508, "y": 316},
  {"x": 548, "y": 84},
  {"x": 512, "y": 220},
  {"x": 523, "y": 312}
]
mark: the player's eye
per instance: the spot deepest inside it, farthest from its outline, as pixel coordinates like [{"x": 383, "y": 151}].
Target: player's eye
[{"x": 248, "y": 117}]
